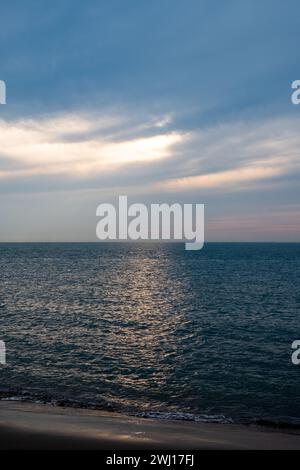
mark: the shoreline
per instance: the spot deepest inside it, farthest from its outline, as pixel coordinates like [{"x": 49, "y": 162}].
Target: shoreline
[
  {"x": 38, "y": 426},
  {"x": 290, "y": 427}
]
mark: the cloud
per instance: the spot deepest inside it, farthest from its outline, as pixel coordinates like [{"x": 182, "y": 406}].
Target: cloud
[
  {"x": 77, "y": 147},
  {"x": 76, "y": 151},
  {"x": 225, "y": 178},
  {"x": 238, "y": 155}
]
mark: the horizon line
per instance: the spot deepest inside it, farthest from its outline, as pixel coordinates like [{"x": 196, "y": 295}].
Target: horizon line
[{"x": 102, "y": 242}]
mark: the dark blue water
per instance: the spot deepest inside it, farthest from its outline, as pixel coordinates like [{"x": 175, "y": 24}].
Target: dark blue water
[{"x": 154, "y": 329}]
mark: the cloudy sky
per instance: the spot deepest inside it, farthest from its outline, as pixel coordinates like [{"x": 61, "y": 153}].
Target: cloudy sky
[{"x": 161, "y": 100}]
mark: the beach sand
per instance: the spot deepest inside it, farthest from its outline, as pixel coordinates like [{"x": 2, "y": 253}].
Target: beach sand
[{"x": 32, "y": 426}]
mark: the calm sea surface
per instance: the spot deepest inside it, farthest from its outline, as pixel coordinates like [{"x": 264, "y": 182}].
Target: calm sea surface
[{"x": 153, "y": 329}]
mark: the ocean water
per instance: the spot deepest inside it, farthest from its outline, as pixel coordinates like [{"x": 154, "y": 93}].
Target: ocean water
[{"x": 154, "y": 330}]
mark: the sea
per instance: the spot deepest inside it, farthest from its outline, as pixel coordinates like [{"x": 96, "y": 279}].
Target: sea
[{"x": 154, "y": 330}]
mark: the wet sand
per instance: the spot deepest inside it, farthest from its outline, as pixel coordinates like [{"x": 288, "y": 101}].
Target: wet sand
[{"x": 30, "y": 426}]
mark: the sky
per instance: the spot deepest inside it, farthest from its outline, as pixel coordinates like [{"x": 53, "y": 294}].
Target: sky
[{"x": 163, "y": 101}]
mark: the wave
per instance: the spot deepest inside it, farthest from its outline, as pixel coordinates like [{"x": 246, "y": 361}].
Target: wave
[
  {"x": 182, "y": 416},
  {"x": 103, "y": 405}
]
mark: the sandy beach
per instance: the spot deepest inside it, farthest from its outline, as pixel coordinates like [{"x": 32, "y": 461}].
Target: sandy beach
[{"x": 32, "y": 426}]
